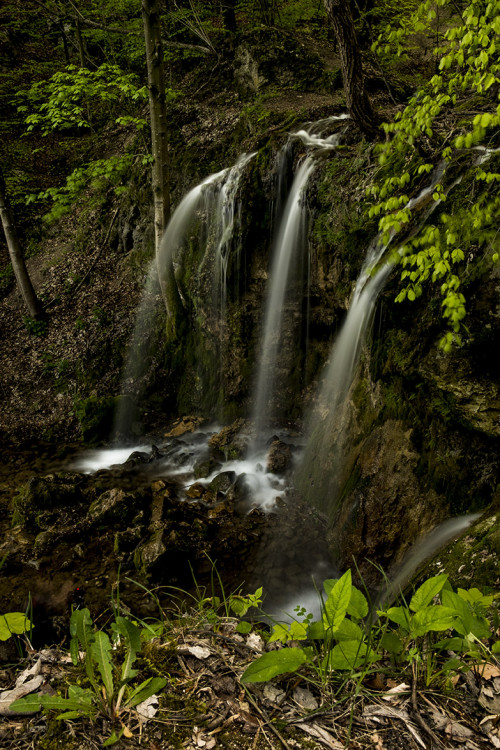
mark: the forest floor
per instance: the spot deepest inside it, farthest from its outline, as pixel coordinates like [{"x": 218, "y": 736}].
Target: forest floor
[{"x": 205, "y": 705}]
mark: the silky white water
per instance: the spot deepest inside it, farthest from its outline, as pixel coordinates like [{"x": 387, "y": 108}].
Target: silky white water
[
  {"x": 289, "y": 239},
  {"x": 289, "y": 242},
  {"x": 228, "y": 217},
  {"x": 327, "y": 426},
  {"x": 217, "y": 195}
]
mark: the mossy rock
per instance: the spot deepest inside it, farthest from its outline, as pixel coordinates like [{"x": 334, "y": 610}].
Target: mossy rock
[
  {"x": 96, "y": 416},
  {"x": 472, "y": 560},
  {"x": 115, "y": 505},
  {"x": 41, "y": 496}
]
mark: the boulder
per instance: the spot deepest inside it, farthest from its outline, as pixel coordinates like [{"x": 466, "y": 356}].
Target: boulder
[{"x": 279, "y": 458}]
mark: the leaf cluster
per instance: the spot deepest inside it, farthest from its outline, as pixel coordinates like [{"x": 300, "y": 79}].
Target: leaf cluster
[
  {"x": 345, "y": 640},
  {"x": 108, "y": 662},
  {"x": 64, "y": 101},
  {"x": 469, "y": 66}
]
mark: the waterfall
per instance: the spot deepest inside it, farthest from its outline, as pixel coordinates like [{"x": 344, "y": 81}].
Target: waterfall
[
  {"x": 228, "y": 219},
  {"x": 287, "y": 247},
  {"x": 319, "y": 473},
  {"x": 214, "y": 202}
]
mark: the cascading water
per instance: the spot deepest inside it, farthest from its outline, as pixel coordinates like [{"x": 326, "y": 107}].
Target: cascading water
[
  {"x": 289, "y": 243},
  {"x": 228, "y": 219},
  {"x": 215, "y": 199},
  {"x": 320, "y": 472}
]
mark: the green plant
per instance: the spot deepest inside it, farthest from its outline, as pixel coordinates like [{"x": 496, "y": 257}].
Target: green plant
[
  {"x": 108, "y": 663},
  {"x": 14, "y": 623},
  {"x": 213, "y": 604},
  {"x": 339, "y": 642},
  {"x": 435, "y": 608},
  {"x": 36, "y": 326},
  {"x": 469, "y": 67},
  {"x": 345, "y": 640}
]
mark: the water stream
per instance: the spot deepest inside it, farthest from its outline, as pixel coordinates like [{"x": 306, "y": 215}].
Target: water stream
[
  {"x": 214, "y": 205},
  {"x": 289, "y": 244},
  {"x": 327, "y": 427}
]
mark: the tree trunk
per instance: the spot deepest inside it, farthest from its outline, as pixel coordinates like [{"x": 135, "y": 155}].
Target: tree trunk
[
  {"x": 357, "y": 100},
  {"x": 229, "y": 15},
  {"x": 16, "y": 257},
  {"x": 159, "y": 144},
  {"x": 81, "y": 45}
]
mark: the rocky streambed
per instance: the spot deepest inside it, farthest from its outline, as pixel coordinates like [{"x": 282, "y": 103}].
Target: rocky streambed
[{"x": 189, "y": 512}]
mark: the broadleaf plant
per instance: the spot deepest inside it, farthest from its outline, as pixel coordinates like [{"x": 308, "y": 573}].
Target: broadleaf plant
[{"x": 112, "y": 693}]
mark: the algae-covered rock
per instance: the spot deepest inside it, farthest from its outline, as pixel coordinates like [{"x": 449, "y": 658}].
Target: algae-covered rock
[
  {"x": 223, "y": 481},
  {"x": 279, "y": 458},
  {"x": 232, "y": 441},
  {"x": 205, "y": 467},
  {"x": 387, "y": 508},
  {"x": 114, "y": 505},
  {"x": 472, "y": 560},
  {"x": 41, "y": 497},
  {"x": 476, "y": 399},
  {"x": 183, "y": 425}
]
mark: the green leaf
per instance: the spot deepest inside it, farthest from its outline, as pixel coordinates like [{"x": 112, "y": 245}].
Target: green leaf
[
  {"x": 465, "y": 621},
  {"x": 274, "y": 663},
  {"x": 28, "y": 704},
  {"x": 244, "y": 627},
  {"x": 427, "y": 591},
  {"x": 348, "y": 631},
  {"x": 13, "y": 623},
  {"x": 435, "y": 617},
  {"x": 399, "y": 615},
  {"x": 145, "y": 690},
  {"x": 101, "y": 653},
  {"x": 316, "y": 631},
  {"x": 349, "y": 655},
  {"x": 358, "y": 606},
  {"x": 460, "y": 645},
  {"x": 132, "y": 642},
  {"x": 80, "y": 626},
  {"x": 68, "y": 715},
  {"x": 391, "y": 642},
  {"x": 114, "y": 738},
  {"x": 74, "y": 651},
  {"x": 335, "y": 607}
]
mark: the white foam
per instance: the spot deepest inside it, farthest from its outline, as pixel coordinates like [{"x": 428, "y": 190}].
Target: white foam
[{"x": 94, "y": 460}]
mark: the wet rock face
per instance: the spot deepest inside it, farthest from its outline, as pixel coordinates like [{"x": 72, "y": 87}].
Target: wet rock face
[
  {"x": 108, "y": 522},
  {"x": 232, "y": 441},
  {"x": 387, "y": 509},
  {"x": 279, "y": 458}
]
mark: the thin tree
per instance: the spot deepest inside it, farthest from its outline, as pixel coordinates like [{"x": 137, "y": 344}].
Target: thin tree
[
  {"x": 357, "y": 100},
  {"x": 159, "y": 146},
  {"x": 16, "y": 256}
]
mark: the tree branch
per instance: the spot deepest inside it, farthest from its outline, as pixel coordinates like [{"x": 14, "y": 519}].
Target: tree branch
[{"x": 77, "y": 17}]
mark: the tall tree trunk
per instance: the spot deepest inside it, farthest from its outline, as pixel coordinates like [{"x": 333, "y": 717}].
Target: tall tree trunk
[
  {"x": 357, "y": 100},
  {"x": 16, "y": 257},
  {"x": 81, "y": 44},
  {"x": 159, "y": 141},
  {"x": 65, "y": 43},
  {"x": 229, "y": 15}
]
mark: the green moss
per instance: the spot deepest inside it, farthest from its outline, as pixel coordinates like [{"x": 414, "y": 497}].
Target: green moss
[
  {"x": 95, "y": 415},
  {"x": 472, "y": 560}
]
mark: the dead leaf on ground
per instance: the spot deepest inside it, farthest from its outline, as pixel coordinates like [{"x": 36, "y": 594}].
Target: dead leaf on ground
[
  {"x": 148, "y": 708},
  {"x": 490, "y": 700},
  {"x": 9, "y": 696},
  {"x": 395, "y": 692},
  {"x": 199, "y": 652},
  {"x": 305, "y": 699},
  {"x": 489, "y": 671},
  {"x": 322, "y": 735}
]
